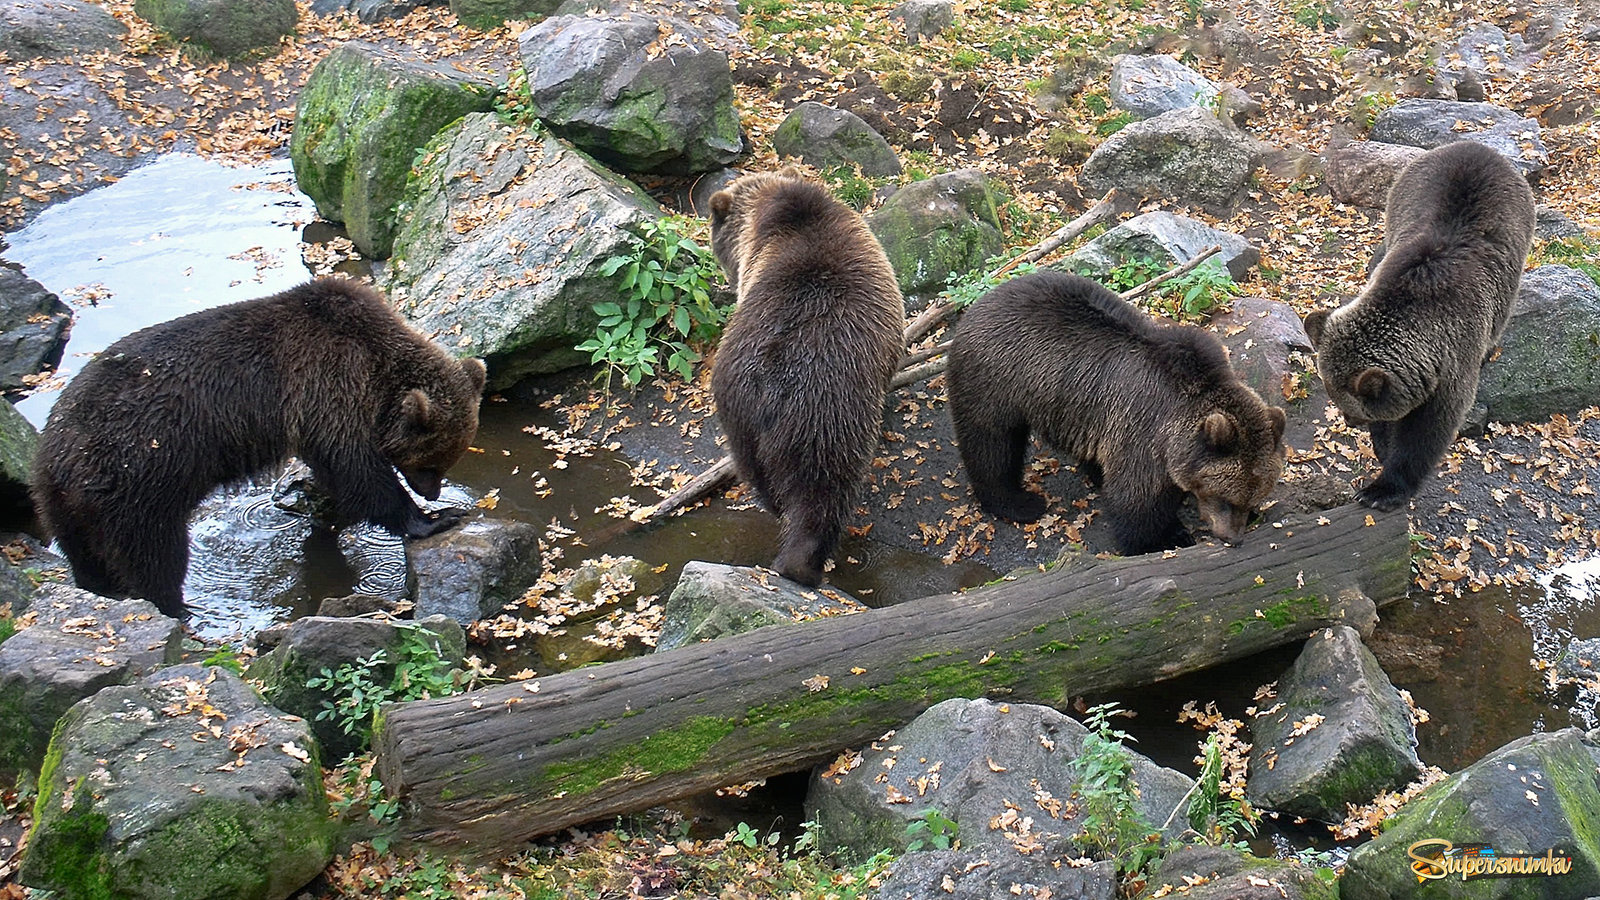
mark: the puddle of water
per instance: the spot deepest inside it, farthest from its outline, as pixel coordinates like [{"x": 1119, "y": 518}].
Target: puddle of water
[{"x": 179, "y": 235}]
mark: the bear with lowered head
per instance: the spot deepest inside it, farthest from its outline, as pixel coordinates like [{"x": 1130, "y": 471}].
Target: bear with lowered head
[
  {"x": 1152, "y": 411},
  {"x": 326, "y": 371},
  {"x": 803, "y": 366},
  {"x": 1403, "y": 358}
]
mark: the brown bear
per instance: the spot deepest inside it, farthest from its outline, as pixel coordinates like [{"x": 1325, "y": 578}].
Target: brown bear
[
  {"x": 1151, "y": 411},
  {"x": 806, "y": 358},
  {"x": 326, "y": 371},
  {"x": 1403, "y": 358}
]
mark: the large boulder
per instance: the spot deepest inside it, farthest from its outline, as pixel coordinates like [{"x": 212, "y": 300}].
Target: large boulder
[
  {"x": 33, "y": 328},
  {"x": 360, "y": 120},
  {"x": 712, "y": 600},
  {"x": 1361, "y": 172},
  {"x": 501, "y": 240},
  {"x": 1199, "y": 872},
  {"x": 1187, "y": 154},
  {"x": 56, "y": 28},
  {"x": 1534, "y": 795},
  {"x": 1149, "y": 85},
  {"x": 825, "y": 137},
  {"x": 1549, "y": 360},
  {"x": 486, "y": 14},
  {"x": 938, "y": 229},
  {"x": 1339, "y": 734},
  {"x": 18, "y": 440},
  {"x": 641, "y": 93},
  {"x": 718, "y": 20},
  {"x": 317, "y": 643},
  {"x": 468, "y": 573},
  {"x": 79, "y": 644},
  {"x": 181, "y": 786},
  {"x": 1165, "y": 239},
  {"x": 1001, "y": 771},
  {"x": 225, "y": 27},
  {"x": 1434, "y": 123}
]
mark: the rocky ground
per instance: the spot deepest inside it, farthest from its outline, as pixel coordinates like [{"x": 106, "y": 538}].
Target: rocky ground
[{"x": 1018, "y": 89}]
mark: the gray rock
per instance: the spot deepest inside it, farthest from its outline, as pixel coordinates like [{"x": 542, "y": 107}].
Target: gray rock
[
  {"x": 372, "y": 10},
  {"x": 968, "y": 759},
  {"x": 1163, "y": 238},
  {"x": 33, "y": 328},
  {"x": 227, "y": 28},
  {"x": 825, "y": 137},
  {"x": 182, "y": 786},
  {"x": 315, "y": 643},
  {"x": 1535, "y": 794},
  {"x": 938, "y": 229},
  {"x": 712, "y": 600},
  {"x": 1549, "y": 359},
  {"x": 1434, "y": 123},
  {"x": 1483, "y": 54},
  {"x": 56, "y": 28},
  {"x": 924, "y": 19},
  {"x": 1364, "y": 743},
  {"x": 498, "y": 249},
  {"x": 16, "y": 589},
  {"x": 17, "y": 443},
  {"x": 980, "y": 875},
  {"x": 639, "y": 92},
  {"x": 719, "y": 20},
  {"x": 1268, "y": 348},
  {"x": 601, "y": 614},
  {"x": 1223, "y": 873},
  {"x": 79, "y": 644},
  {"x": 362, "y": 117},
  {"x": 469, "y": 572},
  {"x": 696, "y": 197},
  {"x": 1187, "y": 154},
  {"x": 1581, "y": 660},
  {"x": 1552, "y": 224},
  {"x": 486, "y": 14},
  {"x": 1148, "y": 86},
  {"x": 1361, "y": 172}
]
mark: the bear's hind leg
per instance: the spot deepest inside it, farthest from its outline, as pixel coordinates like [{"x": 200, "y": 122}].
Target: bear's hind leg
[{"x": 994, "y": 459}]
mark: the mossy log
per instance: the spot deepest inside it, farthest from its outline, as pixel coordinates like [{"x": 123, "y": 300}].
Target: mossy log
[{"x": 486, "y": 771}]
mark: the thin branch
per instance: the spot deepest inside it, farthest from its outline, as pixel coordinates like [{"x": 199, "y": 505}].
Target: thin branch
[
  {"x": 1170, "y": 274},
  {"x": 911, "y": 359},
  {"x": 916, "y": 373}
]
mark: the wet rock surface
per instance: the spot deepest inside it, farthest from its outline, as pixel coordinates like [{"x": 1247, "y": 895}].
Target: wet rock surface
[
  {"x": 712, "y": 600},
  {"x": 471, "y": 571},
  {"x": 987, "y": 874}
]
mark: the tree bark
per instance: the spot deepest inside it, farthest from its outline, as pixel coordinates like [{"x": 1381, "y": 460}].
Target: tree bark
[{"x": 487, "y": 771}]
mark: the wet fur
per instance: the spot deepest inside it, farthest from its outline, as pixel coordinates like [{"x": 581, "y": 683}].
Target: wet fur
[
  {"x": 1403, "y": 358},
  {"x": 325, "y": 371},
  {"x": 1153, "y": 411},
  {"x": 806, "y": 358}
]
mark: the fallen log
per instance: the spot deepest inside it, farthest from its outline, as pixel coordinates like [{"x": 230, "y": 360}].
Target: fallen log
[{"x": 485, "y": 771}]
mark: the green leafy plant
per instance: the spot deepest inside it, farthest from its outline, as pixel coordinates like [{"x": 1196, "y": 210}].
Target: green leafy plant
[
  {"x": 934, "y": 829},
  {"x": 1218, "y": 816},
  {"x": 1194, "y": 295},
  {"x": 1112, "y": 825},
  {"x": 851, "y": 187},
  {"x": 513, "y": 103},
  {"x": 965, "y": 287},
  {"x": 225, "y": 657},
  {"x": 418, "y": 670},
  {"x": 8, "y": 627},
  {"x": 668, "y": 284}
]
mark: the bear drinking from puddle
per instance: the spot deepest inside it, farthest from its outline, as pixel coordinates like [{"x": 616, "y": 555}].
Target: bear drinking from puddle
[
  {"x": 1151, "y": 410},
  {"x": 806, "y": 359},
  {"x": 325, "y": 371},
  {"x": 1403, "y": 357}
]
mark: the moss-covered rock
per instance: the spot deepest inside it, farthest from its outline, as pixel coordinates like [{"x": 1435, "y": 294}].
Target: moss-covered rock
[
  {"x": 182, "y": 785},
  {"x": 1223, "y": 873},
  {"x": 1549, "y": 360},
  {"x": 713, "y": 600},
  {"x": 226, "y": 28},
  {"x": 825, "y": 137},
  {"x": 1536, "y": 794},
  {"x": 937, "y": 229},
  {"x": 502, "y": 233},
  {"x": 360, "y": 121},
  {"x": 486, "y": 14}
]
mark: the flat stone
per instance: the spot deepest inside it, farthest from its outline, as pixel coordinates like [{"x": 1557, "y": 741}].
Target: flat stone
[{"x": 712, "y": 600}]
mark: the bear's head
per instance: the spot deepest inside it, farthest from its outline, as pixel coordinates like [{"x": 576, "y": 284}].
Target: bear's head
[
  {"x": 1230, "y": 459},
  {"x": 1372, "y": 369},
  {"x": 435, "y": 424},
  {"x": 731, "y": 209}
]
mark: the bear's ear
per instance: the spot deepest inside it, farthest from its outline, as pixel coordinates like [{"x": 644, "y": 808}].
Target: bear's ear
[
  {"x": 721, "y": 203},
  {"x": 416, "y": 408},
  {"x": 1370, "y": 383},
  {"x": 1279, "y": 420},
  {"x": 1314, "y": 322},
  {"x": 477, "y": 373},
  {"x": 792, "y": 172},
  {"x": 1219, "y": 431}
]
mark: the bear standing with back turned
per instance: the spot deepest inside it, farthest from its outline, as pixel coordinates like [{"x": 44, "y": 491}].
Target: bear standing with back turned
[
  {"x": 325, "y": 370},
  {"x": 804, "y": 364},
  {"x": 1403, "y": 357},
  {"x": 1152, "y": 411}
]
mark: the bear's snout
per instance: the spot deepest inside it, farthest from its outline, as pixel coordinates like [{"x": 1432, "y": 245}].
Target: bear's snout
[{"x": 426, "y": 482}]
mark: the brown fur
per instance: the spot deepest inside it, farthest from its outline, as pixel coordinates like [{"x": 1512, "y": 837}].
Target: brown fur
[
  {"x": 326, "y": 371},
  {"x": 1403, "y": 358},
  {"x": 805, "y": 361},
  {"x": 1153, "y": 411}
]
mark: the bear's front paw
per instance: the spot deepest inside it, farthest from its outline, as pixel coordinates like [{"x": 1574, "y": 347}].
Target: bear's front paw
[
  {"x": 1384, "y": 496},
  {"x": 1021, "y": 506},
  {"x": 431, "y": 523}
]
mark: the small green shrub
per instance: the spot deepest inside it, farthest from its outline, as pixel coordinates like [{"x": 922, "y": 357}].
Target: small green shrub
[
  {"x": 668, "y": 285},
  {"x": 8, "y": 627},
  {"x": 934, "y": 830},
  {"x": 851, "y": 187},
  {"x": 966, "y": 59},
  {"x": 965, "y": 287},
  {"x": 420, "y": 672},
  {"x": 225, "y": 657},
  {"x": 1114, "y": 123},
  {"x": 1218, "y": 817},
  {"x": 1112, "y": 827},
  {"x": 1192, "y": 296},
  {"x": 513, "y": 104},
  {"x": 908, "y": 87},
  {"x": 1068, "y": 145}
]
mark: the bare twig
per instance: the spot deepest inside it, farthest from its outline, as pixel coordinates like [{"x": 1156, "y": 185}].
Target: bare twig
[
  {"x": 911, "y": 359},
  {"x": 1164, "y": 277},
  {"x": 701, "y": 485},
  {"x": 916, "y": 373}
]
